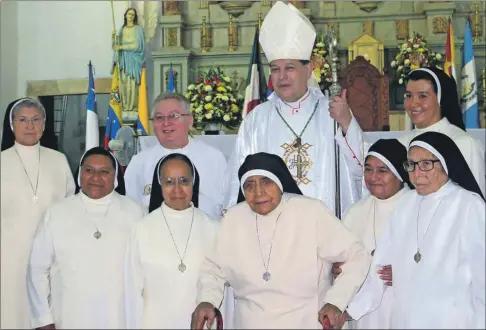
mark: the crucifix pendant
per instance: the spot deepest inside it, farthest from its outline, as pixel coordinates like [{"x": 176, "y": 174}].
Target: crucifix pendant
[
  {"x": 35, "y": 199},
  {"x": 182, "y": 267},
  {"x": 298, "y": 143},
  {"x": 417, "y": 257},
  {"x": 267, "y": 276},
  {"x": 299, "y": 164}
]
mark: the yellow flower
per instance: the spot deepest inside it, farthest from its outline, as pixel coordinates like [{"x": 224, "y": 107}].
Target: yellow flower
[
  {"x": 322, "y": 52},
  {"x": 208, "y": 88},
  {"x": 414, "y": 66},
  {"x": 209, "y": 115},
  {"x": 221, "y": 89},
  {"x": 226, "y": 118},
  {"x": 234, "y": 108},
  {"x": 227, "y": 79},
  {"x": 208, "y": 106}
]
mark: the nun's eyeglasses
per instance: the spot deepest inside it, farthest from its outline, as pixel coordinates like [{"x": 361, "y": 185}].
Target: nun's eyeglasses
[
  {"x": 171, "y": 182},
  {"x": 423, "y": 165},
  {"x": 24, "y": 121}
]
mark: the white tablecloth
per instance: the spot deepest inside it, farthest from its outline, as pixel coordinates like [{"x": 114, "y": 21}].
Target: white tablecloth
[{"x": 226, "y": 143}]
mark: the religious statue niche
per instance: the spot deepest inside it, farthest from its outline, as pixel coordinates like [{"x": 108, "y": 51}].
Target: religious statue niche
[
  {"x": 129, "y": 48},
  {"x": 172, "y": 8},
  {"x": 401, "y": 26},
  {"x": 440, "y": 24}
]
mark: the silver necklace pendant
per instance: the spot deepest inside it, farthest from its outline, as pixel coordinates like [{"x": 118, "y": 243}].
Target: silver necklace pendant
[
  {"x": 267, "y": 276},
  {"x": 97, "y": 234},
  {"x": 35, "y": 199},
  {"x": 417, "y": 257},
  {"x": 182, "y": 267}
]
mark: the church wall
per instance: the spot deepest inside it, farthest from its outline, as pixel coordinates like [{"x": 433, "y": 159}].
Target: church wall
[{"x": 51, "y": 40}]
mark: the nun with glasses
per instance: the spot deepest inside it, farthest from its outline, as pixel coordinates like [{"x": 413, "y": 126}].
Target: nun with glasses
[
  {"x": 432, "y": 104},
  {"x": 81, "y": 241},
  {"x": 33, "y": 177},
  {"x": 275, "y": 248},
  {"x": 387, "y": 181},
  {"x": 167, "y": 249},
  {"x": 434, "y": 242}
]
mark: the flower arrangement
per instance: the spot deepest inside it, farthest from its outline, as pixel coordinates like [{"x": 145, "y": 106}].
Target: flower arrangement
[
  {"x": 414, "y": 54},
  {"x": 320, "y": 60},
  {"x": 213, "y": 100}
]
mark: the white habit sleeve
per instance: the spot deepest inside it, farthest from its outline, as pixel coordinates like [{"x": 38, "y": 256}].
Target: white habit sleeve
[
  {"x": 337, "y": 244},
  {"x": 38, "y": 270},
  {"x": 211, "y": 282},
  {"x": 370, "y": 294},
  {"x": 473, "y": 248},
  {"x": 134, "y": 283},
  {"x": 351, "y": 147},
  {"x": 133, "y": 179}
]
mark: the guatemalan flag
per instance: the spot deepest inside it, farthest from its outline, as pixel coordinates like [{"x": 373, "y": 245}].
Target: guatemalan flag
[
  {"x": 114, "y": 119},
  {"x": 256, "y": 89},
  {"x": 469, "y": 86},
  {"x": 92, "y": 130}
]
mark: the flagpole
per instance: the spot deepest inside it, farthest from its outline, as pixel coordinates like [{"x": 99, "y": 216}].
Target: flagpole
[{"x": 117, "y": 57}]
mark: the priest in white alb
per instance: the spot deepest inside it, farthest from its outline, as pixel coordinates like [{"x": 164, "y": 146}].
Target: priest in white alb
[
  {"x": 275, "y": 249},
  {"x": 167, "y": 249},
  {"x": 432, "y": 103},
  {"x": 172, "y": 123},
  {"x": 434, "y": 242},
  {"x": 82, "y": 242},
  {"x": 33, "y": 177},
  {"x": 387, "y": 181},
  {"x": 297, "y": 122}
]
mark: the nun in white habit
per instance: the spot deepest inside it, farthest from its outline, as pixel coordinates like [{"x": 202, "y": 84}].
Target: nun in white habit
[
  {"x": 167, "y": 249},
  {"x": 387, "y": 181},
  {"x": 434, "y": 242},
  {"x": 83, "y": 240},
  {"x": 33, "y": 176},
  {"x": 432, "y": 103}
]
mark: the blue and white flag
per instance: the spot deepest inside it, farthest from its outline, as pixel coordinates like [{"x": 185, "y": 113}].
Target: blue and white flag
[
  {"x": 92, "y": 129},
  {"x": 171, "y": 83},
  {"x": 469, "y": 85}
]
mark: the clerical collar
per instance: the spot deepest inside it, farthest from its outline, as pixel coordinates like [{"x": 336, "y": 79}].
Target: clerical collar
[
  {"x": 171, "y": 213},
  {"x": 21, "y": 147},
  {"x": 295, "y": 106},
  {"x": 101, "y": 201}
]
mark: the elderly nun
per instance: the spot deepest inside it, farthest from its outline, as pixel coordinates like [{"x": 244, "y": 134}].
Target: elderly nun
[
  {"x": 275, "y": 249},
  {"x": 32, "y": 178},
  {"x": 167, "y": 249},
  {"x": 434, "y": 242},
  {"x": 83, "y": 239},
  {"x": 432, "y": 104},
  {"x": 387, "y": 181}
]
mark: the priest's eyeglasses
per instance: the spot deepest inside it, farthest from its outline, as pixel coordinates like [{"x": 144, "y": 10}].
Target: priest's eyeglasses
[
  {"x": 172, "y": 117},
  {"x": 423, "y": 165},
  {"x": 172, "y": 182},
  {"x": 24, "y": 121}
]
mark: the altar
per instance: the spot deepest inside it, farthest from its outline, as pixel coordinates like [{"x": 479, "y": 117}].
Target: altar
[{"x": 226, "y": 143}]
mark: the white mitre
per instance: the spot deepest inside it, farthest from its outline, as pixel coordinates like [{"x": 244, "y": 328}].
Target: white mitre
[{"x": 286, "y": 33}]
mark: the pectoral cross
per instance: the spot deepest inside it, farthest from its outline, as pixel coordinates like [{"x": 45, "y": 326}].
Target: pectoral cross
[{"x": 298, "y": 163}]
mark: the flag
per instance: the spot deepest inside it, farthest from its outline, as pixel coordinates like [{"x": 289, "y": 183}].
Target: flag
[
  {"x": 450, "y": 60},
  {"x": 469, "y": 86},
  {"x": 171, "y": 84},
  {"x": 255, "y": 92},
  {"x": 92, "y": 129},
  {"x": 114, "y": 120},
  {"x": 143, "y": 115},
  {"x": 269, "y": 86}
]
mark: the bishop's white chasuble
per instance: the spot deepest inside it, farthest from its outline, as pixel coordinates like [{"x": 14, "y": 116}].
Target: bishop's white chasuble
[
  {"x": 21, "y": 174},
  {"x": 310, "y": 159},
  {"x": 82, "y": 243}
]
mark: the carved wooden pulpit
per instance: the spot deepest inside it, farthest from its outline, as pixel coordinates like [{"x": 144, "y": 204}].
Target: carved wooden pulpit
[{"x": 367, "y": 94}]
